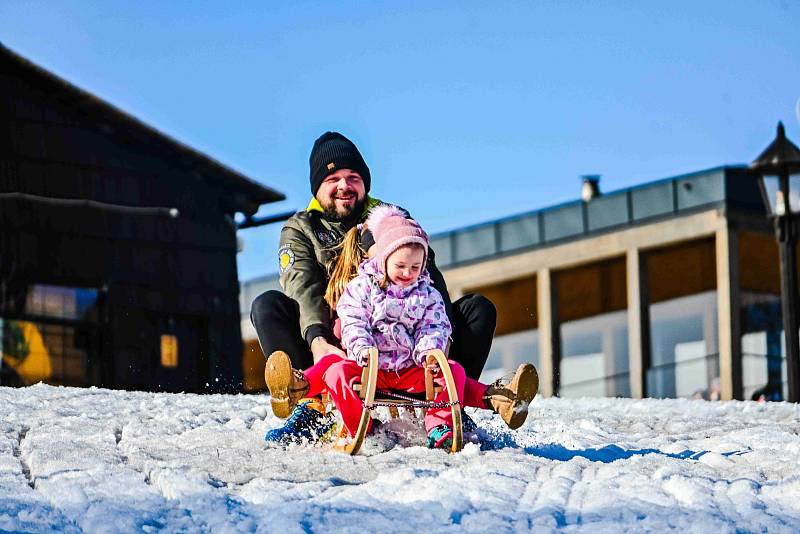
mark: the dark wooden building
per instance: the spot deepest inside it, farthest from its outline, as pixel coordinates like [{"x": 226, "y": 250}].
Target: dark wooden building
[{"x": 117, "y": 245}]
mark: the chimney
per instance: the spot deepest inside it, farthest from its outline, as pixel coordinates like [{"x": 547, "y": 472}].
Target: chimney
[{"x": 591, "y": 187}]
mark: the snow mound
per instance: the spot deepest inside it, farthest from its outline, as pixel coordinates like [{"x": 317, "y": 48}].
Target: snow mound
[{"x": 92, "y": 460}]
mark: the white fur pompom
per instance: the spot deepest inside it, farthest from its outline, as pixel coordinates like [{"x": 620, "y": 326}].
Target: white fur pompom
[{"x": 381, "y": 213}]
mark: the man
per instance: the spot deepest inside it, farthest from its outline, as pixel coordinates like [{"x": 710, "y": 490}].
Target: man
[{"x": 298, "y": 321}]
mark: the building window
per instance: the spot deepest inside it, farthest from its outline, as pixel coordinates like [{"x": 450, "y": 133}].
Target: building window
[
  {"x": 594, "y": 356},
  {"x": 685, "y": 359},
  {"x": 62, "y": 302},
  {"x": 763, "y": 347},
  {"x": 169, "y": 351},
  {"x": 53, "y": 339},
  {"x": 41, "y": 352},
  {"x": 593, "y": 330},
  {"x": 763, "y": 343}
]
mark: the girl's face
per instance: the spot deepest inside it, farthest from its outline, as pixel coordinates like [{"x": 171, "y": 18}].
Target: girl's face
[{"x": 404, "y": 265}]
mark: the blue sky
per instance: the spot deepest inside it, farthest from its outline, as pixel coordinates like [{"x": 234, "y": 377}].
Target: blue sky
[{"x": 464, "y": 111}]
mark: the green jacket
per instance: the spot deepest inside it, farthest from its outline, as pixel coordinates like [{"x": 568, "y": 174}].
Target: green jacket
[{"x": 308, "y": 245}]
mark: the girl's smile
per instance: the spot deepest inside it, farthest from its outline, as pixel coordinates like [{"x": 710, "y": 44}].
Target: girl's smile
[{"x": 404, "y": 265}]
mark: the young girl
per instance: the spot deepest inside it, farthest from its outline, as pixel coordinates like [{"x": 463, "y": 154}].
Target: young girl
[{"x": 392, "y": 305}]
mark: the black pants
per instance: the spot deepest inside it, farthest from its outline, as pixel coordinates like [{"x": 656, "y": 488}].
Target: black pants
[{"x": 276, "y": 318}]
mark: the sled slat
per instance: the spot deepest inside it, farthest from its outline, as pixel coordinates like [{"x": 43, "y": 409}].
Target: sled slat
[
  {"x": 368, "y": 395},
  {"x": 438, "y": 357}
]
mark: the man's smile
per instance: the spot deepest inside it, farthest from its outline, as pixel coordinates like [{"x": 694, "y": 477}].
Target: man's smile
[{"x": 345, "y": 197}]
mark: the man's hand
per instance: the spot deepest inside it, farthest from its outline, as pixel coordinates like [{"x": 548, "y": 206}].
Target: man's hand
[{"x": 321, "y": 348}]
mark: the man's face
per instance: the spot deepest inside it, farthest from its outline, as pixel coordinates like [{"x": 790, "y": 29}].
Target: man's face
[{"x": 342, "y": 194}]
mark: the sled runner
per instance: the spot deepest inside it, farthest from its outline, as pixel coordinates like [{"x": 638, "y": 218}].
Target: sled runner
[{"x": 372, "y": 399}]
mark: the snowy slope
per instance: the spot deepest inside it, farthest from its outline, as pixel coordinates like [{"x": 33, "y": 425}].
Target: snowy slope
[{"x": 108, "y": 461}]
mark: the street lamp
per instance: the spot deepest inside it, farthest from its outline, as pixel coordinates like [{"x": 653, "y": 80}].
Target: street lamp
[{"x": 778, "y": 169}]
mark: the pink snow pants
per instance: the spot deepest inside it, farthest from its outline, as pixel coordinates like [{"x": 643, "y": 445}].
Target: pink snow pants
[{"x": 337, "y": 376}]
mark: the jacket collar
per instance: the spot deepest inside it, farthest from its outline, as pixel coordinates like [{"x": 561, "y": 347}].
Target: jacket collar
[{"x": 314, "y": 205}]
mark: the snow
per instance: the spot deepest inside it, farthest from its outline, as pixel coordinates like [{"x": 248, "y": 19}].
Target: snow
[{"x": 93, "y": 460}]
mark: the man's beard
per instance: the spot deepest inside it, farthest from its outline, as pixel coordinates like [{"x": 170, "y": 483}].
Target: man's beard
[{"x": 350, "y": 216}]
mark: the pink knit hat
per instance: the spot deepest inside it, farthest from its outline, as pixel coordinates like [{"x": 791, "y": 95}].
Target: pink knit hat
[{"x": 391, "y": 229}]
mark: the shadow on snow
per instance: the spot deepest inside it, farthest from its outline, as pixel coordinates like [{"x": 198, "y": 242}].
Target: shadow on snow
[{"x": 607, "y": 454}]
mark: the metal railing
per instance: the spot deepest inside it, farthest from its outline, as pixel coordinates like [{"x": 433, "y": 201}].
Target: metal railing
[
  {"x": 615, "y": 385},
  {"x": 618, "y": 384}
]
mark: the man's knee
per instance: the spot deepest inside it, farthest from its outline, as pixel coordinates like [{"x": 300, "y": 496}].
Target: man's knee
[
  {"x": 475, "y": 306},
  {"x": 269, "y": 303},
  {"x": 486, "y": 306}
]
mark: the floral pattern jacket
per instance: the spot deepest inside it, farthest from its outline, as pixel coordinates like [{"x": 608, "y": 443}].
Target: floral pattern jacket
[{"x": 403, "y": 323}]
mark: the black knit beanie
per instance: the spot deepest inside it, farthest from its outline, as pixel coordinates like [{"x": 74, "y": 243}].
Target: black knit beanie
[{"x": 331, "y": 152}]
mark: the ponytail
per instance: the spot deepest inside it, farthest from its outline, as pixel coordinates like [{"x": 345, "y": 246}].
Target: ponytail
[{"x": 345, "y": 267}]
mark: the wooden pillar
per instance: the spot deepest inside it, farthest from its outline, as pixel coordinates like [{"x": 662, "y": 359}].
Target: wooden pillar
[
  {"x": 729, "y": 313},
  {"x": 549, "y": 339},
  {"x": 638, "y": 322}
]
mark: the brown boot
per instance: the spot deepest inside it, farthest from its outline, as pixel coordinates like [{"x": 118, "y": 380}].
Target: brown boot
[
  {"x": 286, "y": 385},
  {"x": 511, "y": 400}
]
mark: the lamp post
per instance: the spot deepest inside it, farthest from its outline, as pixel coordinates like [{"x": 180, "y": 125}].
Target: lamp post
[{"x": 778, "y": 170}]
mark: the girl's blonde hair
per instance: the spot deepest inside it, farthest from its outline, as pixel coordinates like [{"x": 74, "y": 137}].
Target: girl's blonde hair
[{"x": 345, "y": 267}]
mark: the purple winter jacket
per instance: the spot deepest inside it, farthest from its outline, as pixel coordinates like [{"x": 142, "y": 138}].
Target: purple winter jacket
[{"x": 404, "y": 324}]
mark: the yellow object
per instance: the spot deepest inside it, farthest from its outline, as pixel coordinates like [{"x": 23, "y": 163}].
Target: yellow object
[
  {"x": 253, "y": 366},
  {"x": 285, "y": 259},
  {"x": 169, "y": 351},
  {"x": 32, "y": 364},
  {"x": 314, "y": 205}
]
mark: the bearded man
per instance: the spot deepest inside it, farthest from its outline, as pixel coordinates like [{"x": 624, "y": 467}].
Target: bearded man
[{"x": 298, "y": 321}]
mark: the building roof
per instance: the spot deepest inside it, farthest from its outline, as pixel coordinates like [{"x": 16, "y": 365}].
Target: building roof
[
  {"x": 246, "y": 192},
  {"x": 728, "y": 187}
]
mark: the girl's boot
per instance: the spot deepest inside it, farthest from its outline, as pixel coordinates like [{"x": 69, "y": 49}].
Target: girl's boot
[{"x": 511, "y": 400}]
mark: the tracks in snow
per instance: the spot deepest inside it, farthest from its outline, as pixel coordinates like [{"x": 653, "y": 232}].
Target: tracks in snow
[{"x": 17, "y": 451}]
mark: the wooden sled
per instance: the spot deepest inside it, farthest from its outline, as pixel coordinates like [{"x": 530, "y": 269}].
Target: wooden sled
[{"x": 366, "y": 390}]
